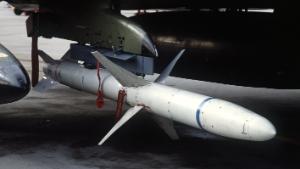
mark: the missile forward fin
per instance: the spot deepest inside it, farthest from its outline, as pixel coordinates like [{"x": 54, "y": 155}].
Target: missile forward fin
[
  {"x": 166, "y": 72},
  {"x": 167, "y": 125},
  {"x": 128, "y": 115},
  {"x": 125, "y": 77}
]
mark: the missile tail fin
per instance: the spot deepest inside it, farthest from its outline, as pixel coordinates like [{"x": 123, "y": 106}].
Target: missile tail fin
[
  {"x": 125, "y": 77},
  {"x": 67, "y": 56},
  {"x": 166, "y": 72},
  {"x": 45, "y": 84},
  {"x": 128, "y": 115},
  {"x": 48, "y": 59}
]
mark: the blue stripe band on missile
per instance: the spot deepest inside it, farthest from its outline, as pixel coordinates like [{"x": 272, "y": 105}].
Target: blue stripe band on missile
[{"x": 198, "y": 112}]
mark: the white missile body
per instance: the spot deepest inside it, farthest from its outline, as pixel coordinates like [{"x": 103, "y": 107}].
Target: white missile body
[
  {"x": 214, "y": 115},
  {"x": 211, "y": 114}
]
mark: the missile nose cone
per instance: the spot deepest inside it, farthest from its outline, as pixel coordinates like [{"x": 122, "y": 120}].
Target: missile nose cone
[
  {"x": 14, "y": 80},
  {"x": 262, "y": 129},
  {"x": 270, "y": 132},
  {"x": 234, "y": 121}
]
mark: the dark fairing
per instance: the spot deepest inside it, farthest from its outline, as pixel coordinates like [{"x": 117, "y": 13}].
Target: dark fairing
[{"x": 14, "y": 80}]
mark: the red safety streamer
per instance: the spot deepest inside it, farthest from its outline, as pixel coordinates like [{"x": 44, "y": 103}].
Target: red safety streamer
[
  {"x": 99, "y": 100},
  {"x": 120, "y": 102}
]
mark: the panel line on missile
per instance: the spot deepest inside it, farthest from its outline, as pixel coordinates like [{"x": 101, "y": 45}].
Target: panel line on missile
[{"x": 198, "y": 112}]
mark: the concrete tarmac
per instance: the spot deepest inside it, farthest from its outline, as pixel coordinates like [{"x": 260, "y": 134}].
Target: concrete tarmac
[{"x": 60, "y": 129}]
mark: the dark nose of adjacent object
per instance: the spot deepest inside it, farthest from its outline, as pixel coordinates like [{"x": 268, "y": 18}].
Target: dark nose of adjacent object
[{"x": 14, "y": 80}]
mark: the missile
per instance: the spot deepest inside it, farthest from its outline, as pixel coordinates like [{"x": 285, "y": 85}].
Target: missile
[
  {"x": 167, "y": 103},
  {"x": 14, "y": 80}
]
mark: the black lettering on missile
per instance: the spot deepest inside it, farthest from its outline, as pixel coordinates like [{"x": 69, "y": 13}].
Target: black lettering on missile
[{"x": 245, "y": 128}]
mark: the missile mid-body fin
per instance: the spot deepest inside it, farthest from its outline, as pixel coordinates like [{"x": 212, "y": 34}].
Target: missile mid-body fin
[{"x": 166, "y": 72}]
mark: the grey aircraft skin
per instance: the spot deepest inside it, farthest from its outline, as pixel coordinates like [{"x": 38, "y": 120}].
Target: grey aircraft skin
[{"x": 14, "y": 80}]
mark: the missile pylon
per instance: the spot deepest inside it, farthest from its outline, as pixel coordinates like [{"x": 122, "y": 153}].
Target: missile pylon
[{"x": 166, "y": 103}]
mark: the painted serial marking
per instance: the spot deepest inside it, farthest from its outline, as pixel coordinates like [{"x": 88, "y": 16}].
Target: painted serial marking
[{"x": 198, "y": 112}]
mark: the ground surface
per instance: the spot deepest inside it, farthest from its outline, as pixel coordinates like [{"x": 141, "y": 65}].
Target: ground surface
[{"x": 60, "y": 129}]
